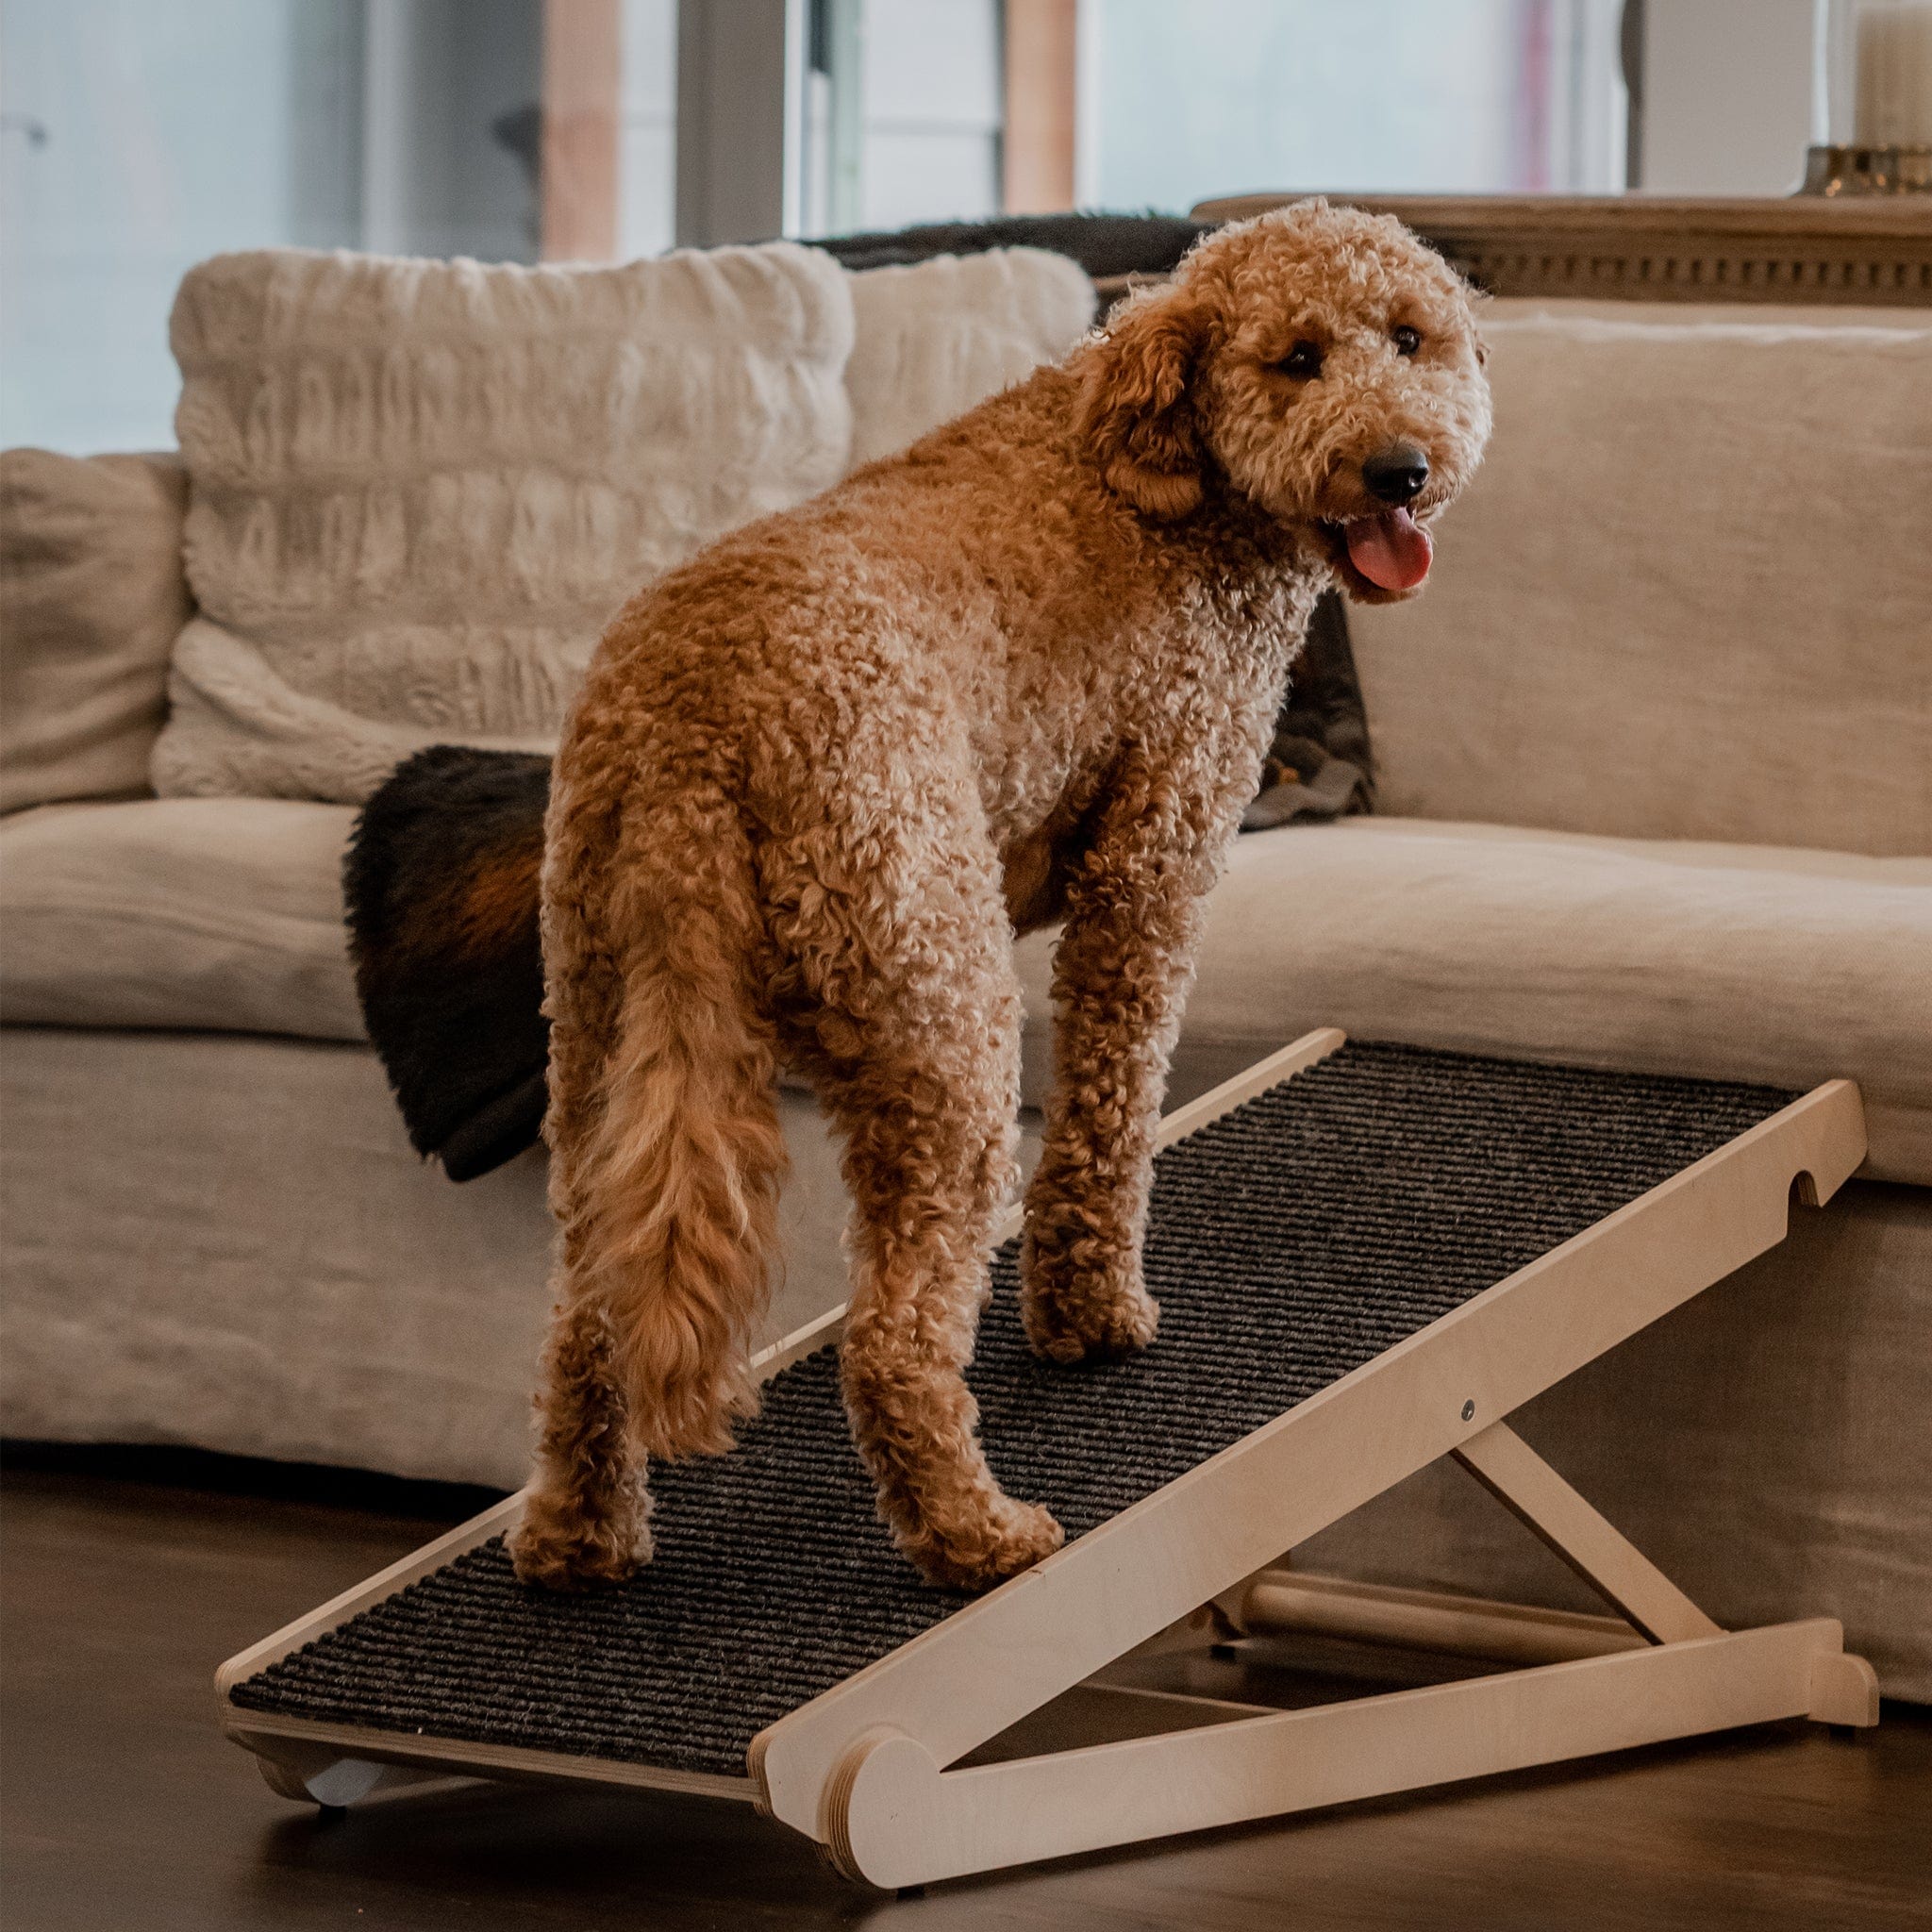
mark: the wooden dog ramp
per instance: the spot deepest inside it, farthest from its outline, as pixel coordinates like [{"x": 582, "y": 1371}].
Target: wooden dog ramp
[{"x": 1367, "y": 1256}]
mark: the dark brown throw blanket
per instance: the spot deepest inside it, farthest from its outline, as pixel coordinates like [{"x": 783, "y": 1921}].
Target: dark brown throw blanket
[
  {"x": 440, "y": 884},
  {"x": 440, "y": 890}
]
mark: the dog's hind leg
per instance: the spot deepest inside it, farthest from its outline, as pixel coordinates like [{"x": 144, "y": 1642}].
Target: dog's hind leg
[
  {"x": 670, "y": 1174},
  {"x": 916, "y": 1057},
  {"x": 586, "y": 1518}
]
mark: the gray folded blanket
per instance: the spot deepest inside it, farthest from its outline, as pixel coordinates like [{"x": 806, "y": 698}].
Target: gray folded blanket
[
  {"x": 1105, "y": 245},
  {"x": 1320, "y": 765}
]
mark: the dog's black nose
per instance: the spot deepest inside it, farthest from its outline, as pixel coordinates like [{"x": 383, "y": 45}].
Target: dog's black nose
[{"x": 1397, "y": 474}]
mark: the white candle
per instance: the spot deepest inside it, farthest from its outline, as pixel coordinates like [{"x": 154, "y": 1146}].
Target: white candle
[{"x": 1894, "y": 74}]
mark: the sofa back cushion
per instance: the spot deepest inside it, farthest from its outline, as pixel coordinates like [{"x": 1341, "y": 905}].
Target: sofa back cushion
[
  {"x": 418, "y": 490},
  {"x": 91, "y": 599},
  {"x": 933, "y": 338},
  {"x": 1689, "y": 594},
  {"x": 421, "y": 488}
]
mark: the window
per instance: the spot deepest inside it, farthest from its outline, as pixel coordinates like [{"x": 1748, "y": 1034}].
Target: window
[
  {"x": 903, "y": 113},
  {"x": 1179, "y": 104},
  {"x": 138, "y": 136}
]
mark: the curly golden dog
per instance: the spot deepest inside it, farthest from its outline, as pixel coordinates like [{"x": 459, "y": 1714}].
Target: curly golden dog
[{"x": 819, "y": 777}]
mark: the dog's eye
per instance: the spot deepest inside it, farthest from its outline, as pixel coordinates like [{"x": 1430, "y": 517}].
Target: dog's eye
[
  {"x": 1408, "y": 341},
  {"x": 1303, "y": 361}
]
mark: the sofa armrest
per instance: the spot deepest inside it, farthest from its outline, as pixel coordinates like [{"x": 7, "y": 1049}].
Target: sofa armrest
[{"x": 93, "y": 596}]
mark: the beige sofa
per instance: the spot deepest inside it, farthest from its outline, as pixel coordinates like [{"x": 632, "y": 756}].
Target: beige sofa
[{"x": 1656, "y": 793}]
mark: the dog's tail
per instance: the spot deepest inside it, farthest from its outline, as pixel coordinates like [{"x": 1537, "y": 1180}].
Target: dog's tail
[{"x": 670, "y": 1226}]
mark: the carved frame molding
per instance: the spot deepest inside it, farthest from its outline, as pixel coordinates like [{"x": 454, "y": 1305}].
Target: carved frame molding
[{"x": 1869, "y": 252}]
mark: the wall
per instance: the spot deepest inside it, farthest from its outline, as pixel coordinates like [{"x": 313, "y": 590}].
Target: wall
[{"x": 1728, "y": 95}]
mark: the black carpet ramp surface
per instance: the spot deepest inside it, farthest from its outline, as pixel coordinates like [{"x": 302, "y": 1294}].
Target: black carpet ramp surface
[{"x": 1288, "y": 1243}]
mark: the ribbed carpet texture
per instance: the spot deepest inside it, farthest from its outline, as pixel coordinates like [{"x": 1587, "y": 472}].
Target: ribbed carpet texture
[{"x": 1290, "y": 1241}]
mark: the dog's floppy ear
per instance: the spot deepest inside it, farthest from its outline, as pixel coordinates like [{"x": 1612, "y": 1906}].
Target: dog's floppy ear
[{"x": 1135, "y": 410}]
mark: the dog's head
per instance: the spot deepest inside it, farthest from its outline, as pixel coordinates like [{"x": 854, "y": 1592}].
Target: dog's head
[{"x": 1321, "y": 362}]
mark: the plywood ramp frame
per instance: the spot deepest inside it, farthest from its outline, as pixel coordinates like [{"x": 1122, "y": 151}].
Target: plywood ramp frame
[
  {"x": 336, "y": 1763},
  {"x": 862, "y": 1769}
]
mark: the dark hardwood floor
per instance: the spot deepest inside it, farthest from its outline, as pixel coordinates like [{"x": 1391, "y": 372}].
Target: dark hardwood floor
[{"x": 124, "y": 1807}]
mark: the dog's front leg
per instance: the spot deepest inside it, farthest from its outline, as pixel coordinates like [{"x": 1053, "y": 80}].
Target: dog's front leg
[{"x": 1121, "y": 973}]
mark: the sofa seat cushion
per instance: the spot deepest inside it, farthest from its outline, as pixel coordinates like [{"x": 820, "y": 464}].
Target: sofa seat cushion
[
  {"x": 212, "y": 913},
  {"x": 1740, "y": 962}
]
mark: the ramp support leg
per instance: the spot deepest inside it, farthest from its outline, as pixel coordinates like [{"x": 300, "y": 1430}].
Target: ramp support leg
[
  {"x": 1530, "y": 1490},
  {"x": 893, "y": 1818}
]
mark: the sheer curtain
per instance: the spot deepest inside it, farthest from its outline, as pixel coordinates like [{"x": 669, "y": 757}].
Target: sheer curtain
[{"x": 139, "y": 135}]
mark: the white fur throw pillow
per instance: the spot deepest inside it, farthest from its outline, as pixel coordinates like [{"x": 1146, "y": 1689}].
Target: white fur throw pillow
[
  {"x": 936, "y": 337},
  {"x": 418, "y": 488}
]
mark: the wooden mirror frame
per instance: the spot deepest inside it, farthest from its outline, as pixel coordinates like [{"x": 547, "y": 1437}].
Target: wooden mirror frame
[{"x": 1867, "y": 252}]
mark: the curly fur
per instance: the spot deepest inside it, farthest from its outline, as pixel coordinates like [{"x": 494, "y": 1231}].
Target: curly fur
[{"x": 817, "y": 778}]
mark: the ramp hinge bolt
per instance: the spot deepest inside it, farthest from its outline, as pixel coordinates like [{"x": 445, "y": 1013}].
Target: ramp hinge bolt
[{"x": 1469, "y": 1411}]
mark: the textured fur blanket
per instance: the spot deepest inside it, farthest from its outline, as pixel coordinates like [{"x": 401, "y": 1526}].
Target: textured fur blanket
[
  {"x": 441, "y": 886},
  {"x": 419, "y": 489},
  {"x": 440, "y": 890},
  {"x": 1320, "y": 765}
]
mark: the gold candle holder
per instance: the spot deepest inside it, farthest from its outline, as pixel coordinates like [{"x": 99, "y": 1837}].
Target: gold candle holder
[
  {"x": 1877, "y": 97},
  {"x": 1852, "y": 170}
]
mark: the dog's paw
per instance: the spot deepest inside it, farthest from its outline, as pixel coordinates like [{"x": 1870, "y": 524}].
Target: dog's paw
[
  {"x": 978, "y": 1554},
  {"x": 1091, "y": 1327},
  {"x": 561, "y": 1547}
]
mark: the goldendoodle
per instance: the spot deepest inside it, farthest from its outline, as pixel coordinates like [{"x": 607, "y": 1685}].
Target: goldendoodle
[{"x": 819, "y": 776}]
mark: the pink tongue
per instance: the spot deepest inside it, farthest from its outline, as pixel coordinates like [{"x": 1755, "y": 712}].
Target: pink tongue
[{"x": 1391, "y": 550}]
